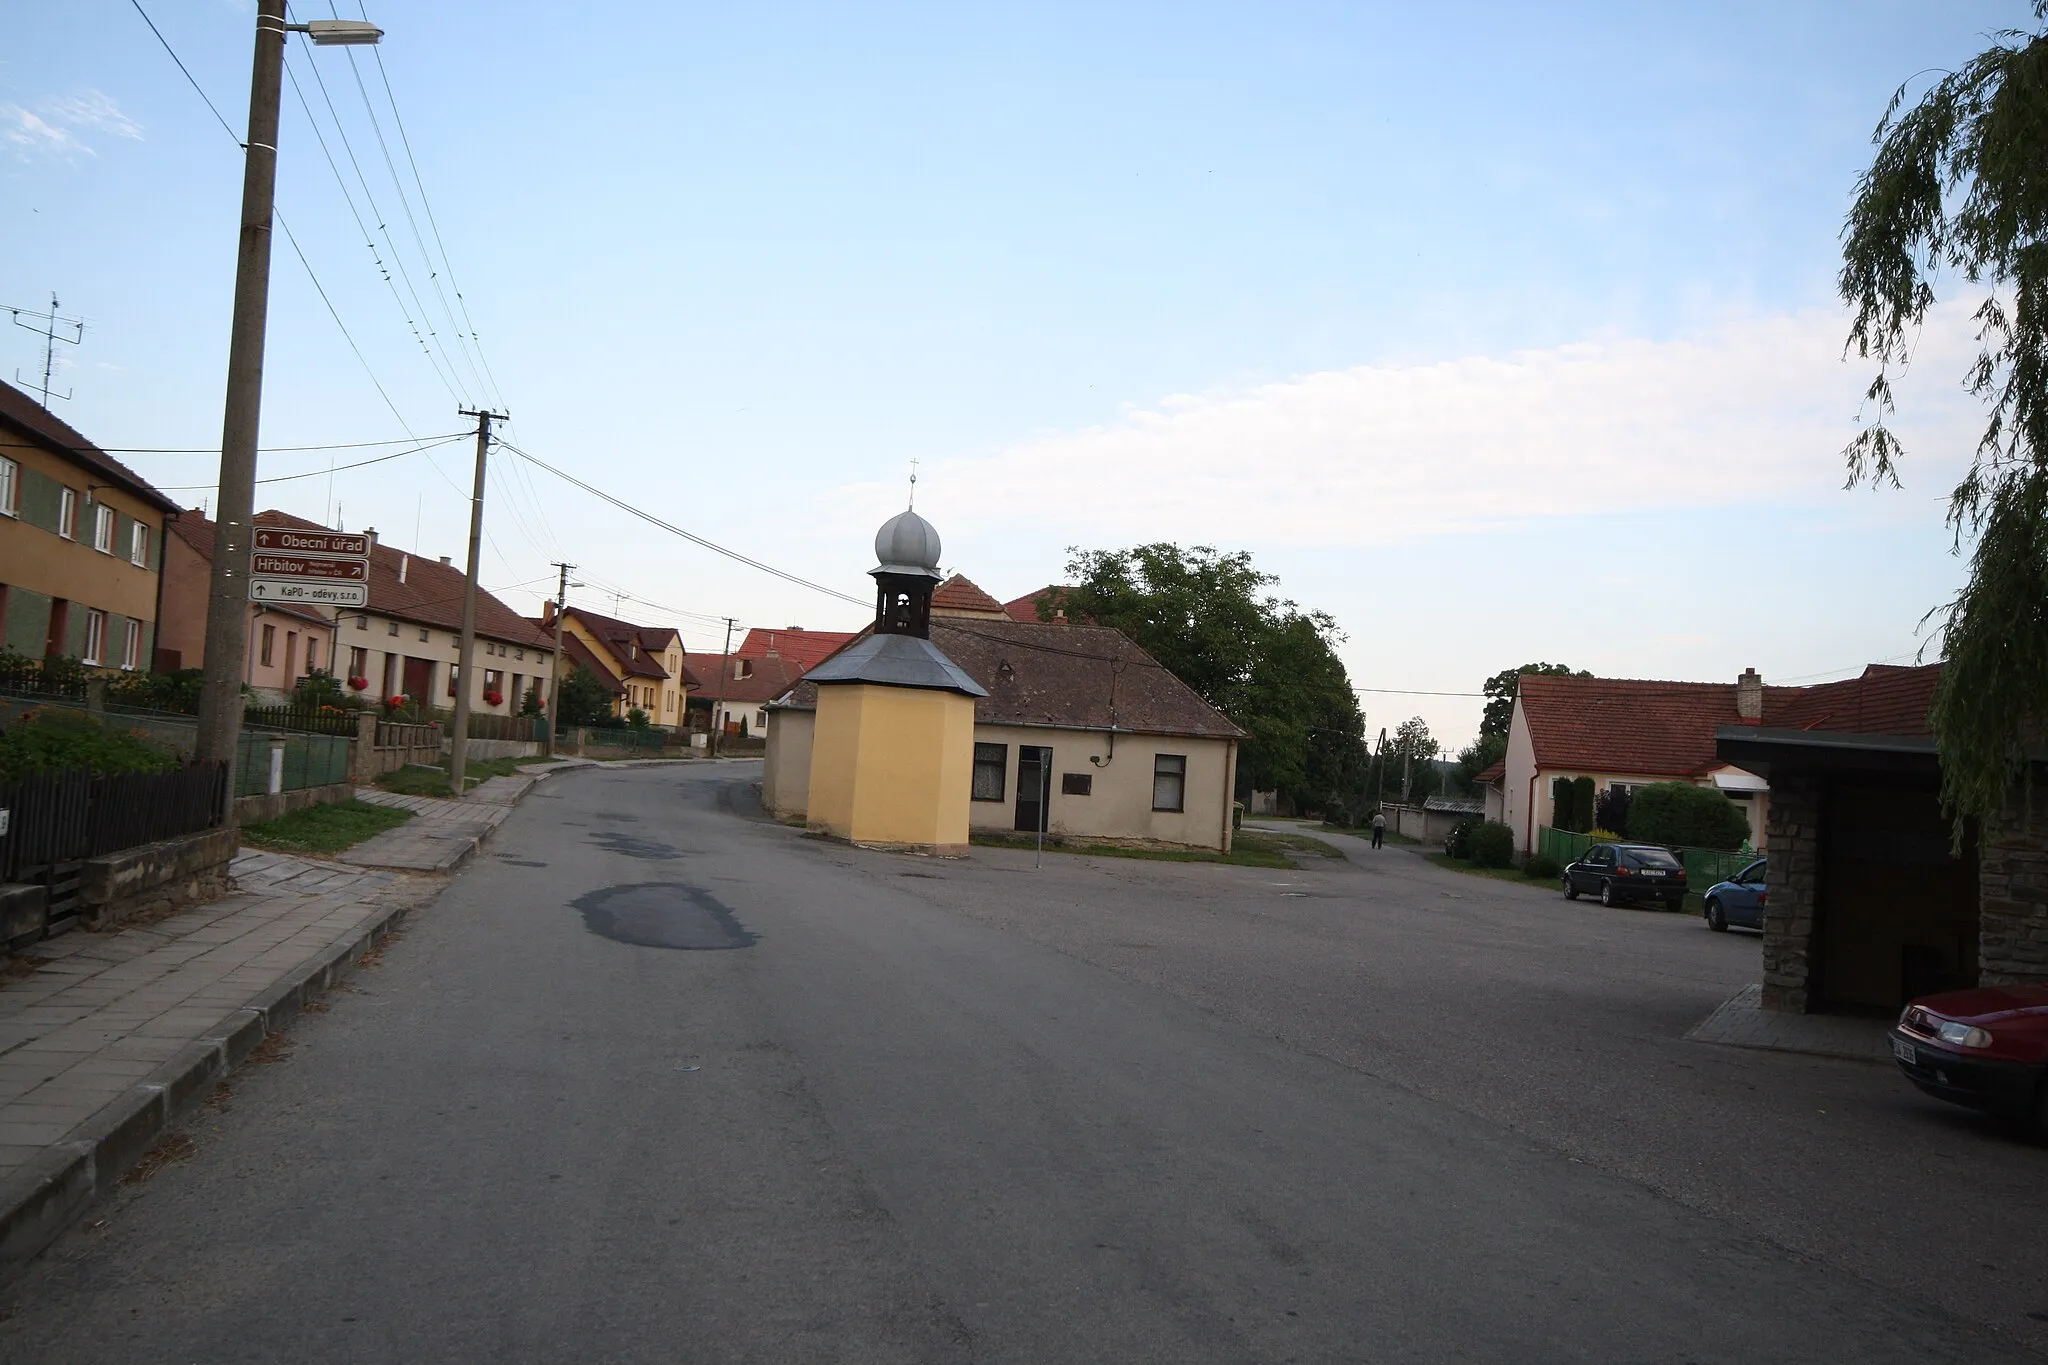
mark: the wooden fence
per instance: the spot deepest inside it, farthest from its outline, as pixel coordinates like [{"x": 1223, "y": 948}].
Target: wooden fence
[
  {"x": 316, "y": 720},
  {"x": 65, "y": 817}
]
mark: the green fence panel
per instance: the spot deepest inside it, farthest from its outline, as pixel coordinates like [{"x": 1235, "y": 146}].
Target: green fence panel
[{"x": 1562, "y": 844}]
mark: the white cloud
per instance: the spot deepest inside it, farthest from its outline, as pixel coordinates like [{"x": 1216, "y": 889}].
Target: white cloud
[
  {"x": 54, "y": 128},
  {"x": 1756, "y": 410}
]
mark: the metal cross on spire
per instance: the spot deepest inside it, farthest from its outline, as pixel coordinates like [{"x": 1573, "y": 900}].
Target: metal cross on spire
[{"x": 913, "y": 483}]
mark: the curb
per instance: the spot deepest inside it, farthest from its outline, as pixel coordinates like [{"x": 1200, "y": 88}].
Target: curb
[{"x": 45, "y": 1197}]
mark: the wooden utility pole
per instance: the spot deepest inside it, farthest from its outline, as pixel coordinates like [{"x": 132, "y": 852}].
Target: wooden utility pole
[
  {"x": 555, "y": 679},
  {"x": 458, "y": 743}
]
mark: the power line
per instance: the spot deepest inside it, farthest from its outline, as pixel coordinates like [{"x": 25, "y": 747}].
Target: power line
[
  {"x": 182, "y": 67},
  {"x": 266, "y": 450},
  {"x": 1415, "y": 692},
  {"x": 675, "y": 530},
  {"x": 323, "y": 473}
]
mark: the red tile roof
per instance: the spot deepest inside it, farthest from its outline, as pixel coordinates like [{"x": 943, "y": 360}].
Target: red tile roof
[
  {"x": 1660, "y": 729},
  {"x": 959, "y": 593},
  {"x": 769, "y": 676},
  {"x": 1492, "y": 773},
  {"x": 1025, "y": 608},
  {"x": 579, "y": 655},
  {"x": 804, "y": 648},
  {"x": 37, "y": 423},
  {"x": 431, "y": 594}
]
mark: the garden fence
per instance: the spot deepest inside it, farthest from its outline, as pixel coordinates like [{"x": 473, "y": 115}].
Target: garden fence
[
  {"x": 1703, "y": 866},
  {"x": 309, "y": 761},
  {"x": 318, "y": 720},
  {"x": 67, "y": 816}
]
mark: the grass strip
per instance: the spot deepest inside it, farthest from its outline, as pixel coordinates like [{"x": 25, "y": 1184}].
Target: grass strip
[
  {"x": 421, "y": 780},
  {"x": 1248, "y": 849},
  {"x": 324, "y": 829}
]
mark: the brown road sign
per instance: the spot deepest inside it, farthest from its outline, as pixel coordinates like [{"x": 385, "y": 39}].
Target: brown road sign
[
  {"x": 305, "y": 566},
  {"x": 285, "y": 540}
]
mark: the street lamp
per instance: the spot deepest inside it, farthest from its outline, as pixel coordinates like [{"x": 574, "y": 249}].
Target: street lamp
[{"x": 227, "y": 604}]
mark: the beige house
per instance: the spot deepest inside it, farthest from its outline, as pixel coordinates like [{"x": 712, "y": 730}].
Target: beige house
[
  {"x": 1081, "y": 731},
  {"x": 285, "y": 642},
  {"x": 407, "y": 642}
]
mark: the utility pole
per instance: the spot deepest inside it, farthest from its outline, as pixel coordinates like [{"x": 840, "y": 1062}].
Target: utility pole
[
  {"x": 555, "y": 678},
  {"x": 458, "y": 744},
  {"x": 227, "y": 604},
  {"x": 718, "y": 707}
]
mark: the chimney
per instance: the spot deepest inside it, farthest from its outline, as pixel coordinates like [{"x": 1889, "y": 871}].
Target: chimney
[
  {"x": 1749, "y": 695},
  {"x": 404, "y": 563},
  {"x": 547, "y": 614},
  {"x": 446, "y": 560}
]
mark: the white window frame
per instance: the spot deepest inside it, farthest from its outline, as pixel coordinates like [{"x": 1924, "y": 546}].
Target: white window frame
[
  {"x": 131, "y": 647},
  {"x": 1175, "y": 768},
  {"x": 95, "y": 635},
  {"x": 10, "y": 488},
  {"x": 138, "y": 544},
  {"x": 104, "y": 523},
  {"x": 67, "y": 513}
]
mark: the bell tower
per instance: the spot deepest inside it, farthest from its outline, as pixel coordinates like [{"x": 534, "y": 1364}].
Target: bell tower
[{"x": 905, "y": 573}]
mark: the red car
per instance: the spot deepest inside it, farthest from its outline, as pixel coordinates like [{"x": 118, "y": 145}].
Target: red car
[{"x": 1985, "y": 1048}]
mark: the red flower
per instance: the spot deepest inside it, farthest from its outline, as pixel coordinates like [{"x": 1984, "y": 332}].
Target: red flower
[
  {"x": 494, "y": 698},
  {"x": 394, "y": 702},
  {"x": 358, "y": 684}
]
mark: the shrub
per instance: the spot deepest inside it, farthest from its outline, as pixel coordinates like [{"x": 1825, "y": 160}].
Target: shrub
[
  {"x": 1458, "y": 843},
  {"x": 1493, "y": 845},
  {"x": 1611, "y": 811},
  {"x": 177, "y": 691},
  {"x": 1561, "y": 804},
  {"x": 1541, "y": 867},
  {"x": 48, "y": 739},
  {"x": 637, "y": 719},
  {"x": 1582, "y": 804},
  {"x": 1680, "y": 815}
]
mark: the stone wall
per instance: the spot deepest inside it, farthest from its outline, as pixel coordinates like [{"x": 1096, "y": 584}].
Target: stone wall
[
  {"x": 2012, "y": 882},
  {"x": 1793, "y": 828},
  {"x": 250, "y": 810},
  {"x": 154, "y": 878}
]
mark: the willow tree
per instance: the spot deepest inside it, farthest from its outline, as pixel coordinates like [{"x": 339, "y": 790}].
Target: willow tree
[{"x": 1959, "y": 185}]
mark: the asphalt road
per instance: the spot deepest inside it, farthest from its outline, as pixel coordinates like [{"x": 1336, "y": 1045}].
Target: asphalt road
[{"x": 659, "y": 1080}]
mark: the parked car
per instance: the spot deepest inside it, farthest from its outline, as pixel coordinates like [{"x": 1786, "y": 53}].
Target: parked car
[
  {"x": 1623, "y": 874},
  {"x": 1985, "y": 1049},
  {"x": 1739, "y": 900}
]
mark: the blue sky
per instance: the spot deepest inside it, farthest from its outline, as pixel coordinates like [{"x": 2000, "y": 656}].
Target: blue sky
[{"x": 1500, "y": 332}]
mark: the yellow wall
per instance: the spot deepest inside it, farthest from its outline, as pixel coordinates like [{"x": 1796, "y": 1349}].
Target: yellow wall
[
  {"x": 42, "y": 562},
  {"x": 892, "y": 765},
  {"x": 786, "y": 776},
  {"x": 1119, "y": 803}
]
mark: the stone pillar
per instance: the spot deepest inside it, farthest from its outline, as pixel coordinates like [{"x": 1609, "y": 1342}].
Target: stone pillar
[
  {"x": 2012, "y": 890},
  {"x": 1794, "y": 833},
  {"x": 362, "y": 754}
]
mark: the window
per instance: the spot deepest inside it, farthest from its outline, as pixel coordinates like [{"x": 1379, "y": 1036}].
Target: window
[
  {"x": 131, "y": 648},
  {"x": 761, "y": 719},
  {"x": 362, "y": 623},
  {"x": 103, "y": 528},
  {"x": 312, "y": 654},
  {"x": 991, "y": 766},
  {"x": 268, "y": 646},
  {"x": 1076, "y": 784},
  {"x": 1169, "y": 782},
  {"x": 423, "y": 632},
  {"x": 67, "y": 514},
  {"x": 138, "y": 545},
  {"x": 391, "y": 628},
  {"x": 522, "y": 656},
  {"x": 10, "y": 487},
  {"x": 95, "y": 636},
  {"x": 359, "y": 663}
]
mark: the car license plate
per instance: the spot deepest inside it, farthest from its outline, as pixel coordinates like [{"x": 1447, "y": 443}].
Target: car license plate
[
  {"x": 1653, "y": 874},
  {"x": 1904, "y": 1052}
]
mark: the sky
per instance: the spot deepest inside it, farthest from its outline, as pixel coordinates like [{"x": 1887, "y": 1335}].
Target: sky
[{"x": 1499, "y": 332}]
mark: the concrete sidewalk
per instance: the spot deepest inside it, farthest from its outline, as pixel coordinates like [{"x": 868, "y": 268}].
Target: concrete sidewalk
[
  {"x": 1742, "y": 1021},
  {"x": 111, "y": 1036},
  {"x": 443, "y": 833}
]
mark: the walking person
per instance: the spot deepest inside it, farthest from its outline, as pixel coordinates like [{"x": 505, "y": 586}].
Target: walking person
[{"x": 1379, "y": 828}]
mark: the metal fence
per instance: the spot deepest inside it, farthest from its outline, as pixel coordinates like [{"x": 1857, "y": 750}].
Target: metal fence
[
  {"x": 527, "y": 729},
  {"x": 67, "y": 816},
  {"x": 318, "y": 720},
  {"x": 21, "y": 676},
  {"x": 309, "y": 760}
]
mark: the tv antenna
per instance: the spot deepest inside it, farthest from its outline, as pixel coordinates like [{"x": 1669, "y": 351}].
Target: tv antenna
[{"x": 48, "y": 324}]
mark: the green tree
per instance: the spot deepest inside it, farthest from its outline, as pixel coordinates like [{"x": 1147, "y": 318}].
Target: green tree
[
  {"x": 1476, "y": 757},
  {"x": 1957, "y": 185},
  {"x": 1211, "y": 619},
  {"x": 584, "y": 700},
  {"x": 1681, "y": 815},
  {"x": 1500, "y": 694}
]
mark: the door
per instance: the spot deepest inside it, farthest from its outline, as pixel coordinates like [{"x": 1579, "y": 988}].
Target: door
[
  {"x": 1034, "y": 781},
  {"x": 419, "y": 680}
]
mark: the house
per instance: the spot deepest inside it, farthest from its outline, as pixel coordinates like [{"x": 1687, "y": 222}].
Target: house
[
  {"x": 407, "y": 641},
  {"x": 1077, "y": 716},
  {"x": 804, "y": 648},
  {"x": 81, "y": 544},
  {"x": 739, "y": 704},
  {"x": 642, "y": 666},
  {"x": 1626, "y": 732},
  {"x": 1870, "y": 903},
  {"x": 1047, "y": 600},
  {"x": 286, "y": 642},
  {"x": 1492, "y": 783}
]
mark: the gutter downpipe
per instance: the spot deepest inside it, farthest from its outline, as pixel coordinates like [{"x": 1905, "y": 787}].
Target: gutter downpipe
[{"x": 1529, "y": 815}]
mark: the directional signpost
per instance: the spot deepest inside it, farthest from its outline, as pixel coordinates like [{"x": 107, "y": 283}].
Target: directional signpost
[{"x": 309, "y": 568}]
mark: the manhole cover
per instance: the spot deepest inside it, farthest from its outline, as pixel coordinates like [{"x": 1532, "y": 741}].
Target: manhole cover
[{"x": 663, "y": 915}]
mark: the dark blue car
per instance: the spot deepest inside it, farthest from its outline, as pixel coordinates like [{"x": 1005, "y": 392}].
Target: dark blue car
[{"x": 1739, "y": 900}]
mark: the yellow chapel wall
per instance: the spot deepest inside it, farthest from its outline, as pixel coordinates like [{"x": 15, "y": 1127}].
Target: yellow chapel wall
[{"x": 892, "y": 765}]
